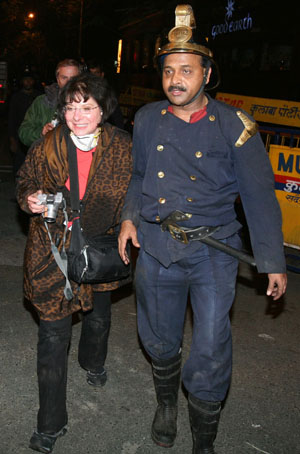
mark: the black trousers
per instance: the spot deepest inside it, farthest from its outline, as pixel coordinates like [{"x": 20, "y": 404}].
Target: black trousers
[{"x": 52, "y": 355}]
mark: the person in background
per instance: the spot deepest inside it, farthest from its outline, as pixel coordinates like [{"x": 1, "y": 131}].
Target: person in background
[
  {"x": 192, "y": 156},
  {"x": 104, "y": 170},
  {"x": 41, "y": 117},
  {"x": 97, "y": 68},
  {"x": 20, "y": 101}
]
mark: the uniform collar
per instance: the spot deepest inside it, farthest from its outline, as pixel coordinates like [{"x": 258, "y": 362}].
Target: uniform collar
[{"x": 196, "y": 116}]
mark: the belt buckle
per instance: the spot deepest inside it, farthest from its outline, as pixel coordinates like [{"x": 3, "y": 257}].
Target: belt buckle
[{"x": 175, "y": 229}]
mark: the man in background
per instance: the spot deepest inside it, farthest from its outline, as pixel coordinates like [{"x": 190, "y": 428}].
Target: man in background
[
  {"x": 41, "y": 118},
  {"x": 20, "y": 101}
]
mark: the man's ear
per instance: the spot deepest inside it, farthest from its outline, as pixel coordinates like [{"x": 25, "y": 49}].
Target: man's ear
[{"x": 208, "y": 75}]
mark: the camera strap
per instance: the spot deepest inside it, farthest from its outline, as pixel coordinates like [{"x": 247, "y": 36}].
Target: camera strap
[{"x": 61, "y": 257}]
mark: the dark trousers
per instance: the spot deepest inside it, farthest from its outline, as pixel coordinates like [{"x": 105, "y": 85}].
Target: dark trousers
[
  {"x": 52, "y": 353},
  {"x": 209, "y": 276}
]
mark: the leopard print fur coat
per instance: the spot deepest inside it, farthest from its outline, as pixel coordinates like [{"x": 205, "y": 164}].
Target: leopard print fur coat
[{"x": 46, "y": 168}]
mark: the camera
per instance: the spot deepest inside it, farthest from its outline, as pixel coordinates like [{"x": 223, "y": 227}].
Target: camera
[{"x": 52, "y": 203}]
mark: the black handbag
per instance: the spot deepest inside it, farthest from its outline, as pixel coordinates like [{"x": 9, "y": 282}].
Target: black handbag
[{"x": 91, "y": 260}]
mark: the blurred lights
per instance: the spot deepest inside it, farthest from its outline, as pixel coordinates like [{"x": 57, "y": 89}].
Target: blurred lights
[{"x": 119, "y": 57}]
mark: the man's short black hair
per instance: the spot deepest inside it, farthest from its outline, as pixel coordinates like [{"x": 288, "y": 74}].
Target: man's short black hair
[
  {"x": 205, "y": 62},
  {"x": 87, "y": 85}
]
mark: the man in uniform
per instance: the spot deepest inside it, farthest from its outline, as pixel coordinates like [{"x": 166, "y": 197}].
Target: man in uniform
[{"x": 193, "y": 156}]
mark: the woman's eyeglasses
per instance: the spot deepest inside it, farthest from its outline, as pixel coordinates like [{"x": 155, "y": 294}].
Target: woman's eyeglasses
[{"x": 83, "y": 110}]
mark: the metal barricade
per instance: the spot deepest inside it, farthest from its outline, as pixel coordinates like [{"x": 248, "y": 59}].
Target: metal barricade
[{"x": 289, "y": 137}]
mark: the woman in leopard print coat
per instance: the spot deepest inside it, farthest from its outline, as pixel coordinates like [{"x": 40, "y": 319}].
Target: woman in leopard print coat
[{"x": 104, "y": 167}]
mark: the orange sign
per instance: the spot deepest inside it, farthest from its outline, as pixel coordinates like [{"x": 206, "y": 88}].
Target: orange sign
[{"x": 267, "y": 110}]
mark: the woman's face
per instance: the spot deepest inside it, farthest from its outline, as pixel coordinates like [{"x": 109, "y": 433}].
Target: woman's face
[{"x": 83, "y": 117}]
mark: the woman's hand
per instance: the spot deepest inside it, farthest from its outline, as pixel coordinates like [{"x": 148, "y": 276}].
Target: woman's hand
[
  {"x": 127, "y": 232},
  {"x": 34, "y": 203}
]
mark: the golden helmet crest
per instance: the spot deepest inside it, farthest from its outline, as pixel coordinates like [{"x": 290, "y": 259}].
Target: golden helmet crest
[{"x": 181, "y": 36}]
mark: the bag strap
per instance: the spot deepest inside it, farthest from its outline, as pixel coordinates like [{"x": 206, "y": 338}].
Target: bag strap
[
  {"x": 73, "y": 174},
  {"x": 73, "y": 169}
]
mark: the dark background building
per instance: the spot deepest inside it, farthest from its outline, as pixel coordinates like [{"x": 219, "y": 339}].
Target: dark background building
[
  {"x": 258, "y": 58},
  {"x": 256, "y": 45}
]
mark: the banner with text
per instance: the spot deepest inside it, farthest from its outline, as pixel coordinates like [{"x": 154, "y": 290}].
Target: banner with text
[
  {"x": 286, "y": 167},
  {"x": 267, "y": 110}
]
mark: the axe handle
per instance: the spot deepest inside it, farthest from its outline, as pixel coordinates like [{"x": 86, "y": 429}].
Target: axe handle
[{"x": 229, "y": 250}]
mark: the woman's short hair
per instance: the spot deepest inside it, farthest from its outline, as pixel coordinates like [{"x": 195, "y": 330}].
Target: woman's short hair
[{"x": 87, "y": 86}]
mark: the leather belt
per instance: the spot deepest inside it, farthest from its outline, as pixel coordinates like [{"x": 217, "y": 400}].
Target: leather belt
[
  {"x": 185, "y": 234},
  {"x": 203, "y": 234}
]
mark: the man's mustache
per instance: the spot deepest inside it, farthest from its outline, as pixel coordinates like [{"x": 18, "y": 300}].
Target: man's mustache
[{"x": 176, "y": 87}]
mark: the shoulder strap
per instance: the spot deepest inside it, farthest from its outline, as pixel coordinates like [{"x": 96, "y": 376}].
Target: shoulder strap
[
  {"x": 62, "y": 258},
  {"x": 73, "y": 169},
  {"x": 73, "y": 174}
]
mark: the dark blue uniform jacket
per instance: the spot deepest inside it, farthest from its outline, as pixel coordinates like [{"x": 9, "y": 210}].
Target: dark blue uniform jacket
[{"x": 197, "y": 168}]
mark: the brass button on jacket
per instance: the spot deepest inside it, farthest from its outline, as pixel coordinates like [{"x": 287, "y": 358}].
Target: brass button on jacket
[
  {"x": 211, "y": 118},
  {"x": 160, "y": 147},
  {"x": 157, "y": 218},
  {"x": 189, "y": 199},
  {"x": 198, "y": 154},
  {"x": 164, "y": 111},
  {"x": 162, "y": 200},
  {"x": 193, "y": 177},
  {"x": 160, "y": 174}
]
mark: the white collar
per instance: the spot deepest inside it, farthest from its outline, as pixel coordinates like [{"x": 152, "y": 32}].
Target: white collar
[{"x": 87, "y": 142}]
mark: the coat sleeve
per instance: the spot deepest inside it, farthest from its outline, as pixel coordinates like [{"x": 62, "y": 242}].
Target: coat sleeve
[
  {"x": 32, "y": 125},
  {"x": 133, "y": 198},
  {"x": 29, "y": 178},
  {"x": 256, "y": 187}
]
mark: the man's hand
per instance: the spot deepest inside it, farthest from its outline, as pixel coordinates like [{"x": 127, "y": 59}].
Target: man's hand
[
  {"x": 277, "y": 285},
  {"x": 128, "y": 232},
  {"x": 47, "y": 127},
  {"x": 34, "y": 203}
]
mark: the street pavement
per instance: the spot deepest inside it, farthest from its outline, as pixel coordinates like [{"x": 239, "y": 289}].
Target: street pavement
[{"x": 261, "y": 413}]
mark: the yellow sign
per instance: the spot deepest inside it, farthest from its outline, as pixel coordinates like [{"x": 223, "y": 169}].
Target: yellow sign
[
  {"x": 286, "y": 167},
  {"x": 267, "y": 110}
]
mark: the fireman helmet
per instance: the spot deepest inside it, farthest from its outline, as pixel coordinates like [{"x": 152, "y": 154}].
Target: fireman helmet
[{"x": 181, "y": 40}]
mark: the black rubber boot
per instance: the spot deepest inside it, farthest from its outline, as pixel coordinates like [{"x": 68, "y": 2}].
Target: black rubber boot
[
  {"x": 166, "y": 376},
  {"x": 204, "y": 420}
]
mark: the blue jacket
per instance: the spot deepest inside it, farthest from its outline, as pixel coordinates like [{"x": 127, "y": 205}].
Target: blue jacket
[{"x": 198, "y": 169}]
